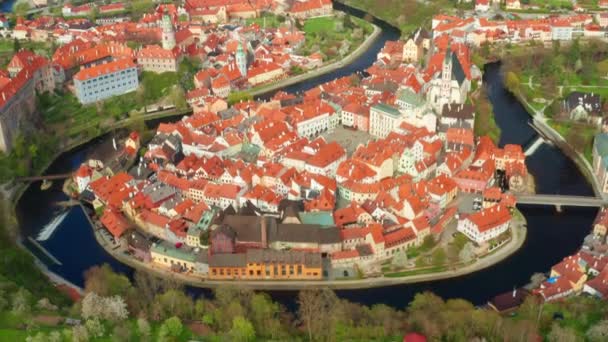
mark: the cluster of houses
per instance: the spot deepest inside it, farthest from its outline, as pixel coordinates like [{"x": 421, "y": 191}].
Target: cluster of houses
[
  {"x": 95, "y": 62},
  {"x": 585, "y": 272},
  {"x": 255, "y": 190},
  {"x": 476, "y": 31}
]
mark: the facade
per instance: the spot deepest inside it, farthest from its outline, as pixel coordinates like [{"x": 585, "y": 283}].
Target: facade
[
  {"x": 383, "y": 120},
  {"x": 486, "y": 224},
  {"x": 106, "y": 80},
  {"x": 156, "y": 59},
  {"x": 17, "y": 106},
  {"x": 168, "y": 33},
  {"x": 266, "y": 264}
]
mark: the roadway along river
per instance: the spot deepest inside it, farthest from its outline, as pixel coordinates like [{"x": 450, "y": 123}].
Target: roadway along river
[{"x": 551, "y": 236}]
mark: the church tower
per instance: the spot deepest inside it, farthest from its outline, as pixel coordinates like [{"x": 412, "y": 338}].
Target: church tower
[
  {"x": 168, "y": 39},
  {"x": 446, "y": 75},
  {"x": 241, "y": 60}
]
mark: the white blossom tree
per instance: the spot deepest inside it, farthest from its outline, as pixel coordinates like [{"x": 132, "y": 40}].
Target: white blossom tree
[
  {"x": 95, "y": 328},
  {"x": 80, "y": 334}
]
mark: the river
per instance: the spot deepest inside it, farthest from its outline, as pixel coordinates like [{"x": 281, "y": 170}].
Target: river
[
  {"x": 551, "y": 235},
  {"x": 7, "y": 5}
]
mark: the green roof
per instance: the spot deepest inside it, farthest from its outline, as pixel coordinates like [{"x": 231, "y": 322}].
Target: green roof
[
  {"x": 410, "y": 97},
  {"x": 387, "y": 109},
  {"x": 167, "y": 249},
  {"x": 322, "y": 218}
]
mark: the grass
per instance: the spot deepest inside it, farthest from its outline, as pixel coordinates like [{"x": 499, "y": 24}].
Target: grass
[
  {"x": 434, "y": 269},
  {"x": 588, "y": 132},
  {"x": 321, "y": 24},
  {"x": 270, "y": 20}
]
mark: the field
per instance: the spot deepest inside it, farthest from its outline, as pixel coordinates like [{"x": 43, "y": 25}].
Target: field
[{"x": 321, "y": 24}]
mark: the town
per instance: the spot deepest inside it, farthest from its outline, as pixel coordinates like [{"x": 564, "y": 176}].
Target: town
[
  {"x": 358, "y": 177},
  {"x": 386, "y": 173}
]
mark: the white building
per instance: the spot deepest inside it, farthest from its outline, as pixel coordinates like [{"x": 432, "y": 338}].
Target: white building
[
  {"x": 486, "y": 224},
  {"x": 383, "y": 120}
]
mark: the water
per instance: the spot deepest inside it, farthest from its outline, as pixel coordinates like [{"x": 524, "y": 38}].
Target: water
[
  {"x": 6, "y": 6},
  {"x": 551, "y": 236}
]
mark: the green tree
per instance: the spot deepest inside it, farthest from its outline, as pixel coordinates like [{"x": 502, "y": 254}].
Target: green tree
[
  {"x": 512, "y": 82},
  {"x": 16, "y": 45},
  {"x": 399, "y": 260},
  {"x": 439, "y": 256},
  {"x": 315, "y": 308},
  {"x": 21, "y": 8},
  {"x": 178, "y": 97},
  {"x": 171, "y": 327},
  {"x": 242, "y": 330},
  {"x": 239, "y": 96}
]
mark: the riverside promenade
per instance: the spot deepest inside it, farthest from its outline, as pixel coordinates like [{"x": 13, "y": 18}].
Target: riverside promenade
[{"x": 518, "y": 233}]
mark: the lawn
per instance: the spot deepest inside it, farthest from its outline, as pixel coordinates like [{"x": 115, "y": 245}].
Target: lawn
[
  {"x": 435, "y": 269},
  {"x": 321, "y": 24},
  {"x": 268, "y": 20}
]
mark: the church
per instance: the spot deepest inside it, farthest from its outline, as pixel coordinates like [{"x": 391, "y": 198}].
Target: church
[{"x": 450, "y": 78}]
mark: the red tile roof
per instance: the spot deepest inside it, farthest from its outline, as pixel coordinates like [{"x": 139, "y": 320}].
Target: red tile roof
[{"x": 103, "y": 69}]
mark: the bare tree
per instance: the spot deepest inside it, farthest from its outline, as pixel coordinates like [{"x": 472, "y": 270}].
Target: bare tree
[{"x": 314, "y": 310}]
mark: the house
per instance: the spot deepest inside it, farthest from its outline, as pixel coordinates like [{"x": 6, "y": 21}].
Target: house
[
  {"x": 413, "y": 48},
  {"x": 106, "y": 80},
  {"x": 82, "y": 177},
  {"x": 303, "y": 9},
  {"x": 485, "y": 225},
  {"x": 482, "y": 5},
  {"x": 598, "y": 286},
  {"x": 156, "y": 59},
  {"x": 572, "y": 269},
  {"x": 512, "y": 5},
  {"x": 583, "y": 106},
  {"x": 383, "y": 119},
  {"x": 600, "y": 160},
  {"x": 561, "y": 30}
]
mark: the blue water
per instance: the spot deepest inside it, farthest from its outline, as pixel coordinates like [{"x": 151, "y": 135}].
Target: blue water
[{"x": 7, "y": 5}]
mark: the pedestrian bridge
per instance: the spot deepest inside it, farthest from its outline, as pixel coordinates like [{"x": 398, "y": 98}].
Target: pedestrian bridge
[{"x": 563, "y": 200}]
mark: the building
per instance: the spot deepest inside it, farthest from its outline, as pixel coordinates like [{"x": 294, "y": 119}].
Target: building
[
  {"x": 106, "y": 80},
  {"x": 485, "y": 225},
  {"x": 600, "y": 160},
  {"x": 17, "y": 106},
  {"x": 582, "y": 106},
  {"x": 262, "y": 264},
  {"x": 156, "y": 59},
  {"x": 383, "y": 120},
  {"x": 168, "y": 33}
]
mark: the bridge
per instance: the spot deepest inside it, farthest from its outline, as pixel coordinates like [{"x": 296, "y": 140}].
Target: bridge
[
  {"x": 562, "y": 200},
  {"x": 39, "y": 178},
  {"x": 532, "y": 148}
]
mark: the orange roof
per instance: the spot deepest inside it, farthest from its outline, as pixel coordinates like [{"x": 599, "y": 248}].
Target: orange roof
[
  {"x": 490, "y": 218},
  {"x": 103, "y": 69}
]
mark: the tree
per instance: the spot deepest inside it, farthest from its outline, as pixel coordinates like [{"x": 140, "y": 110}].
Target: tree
[
  {"x": 178, "y": 97},
  {"x": 242, "y": 330},
  {"x": 399, "y": 260},
  {"x": 172, "y": 327},
  {"x": 512, "y": 82},
  {"x": 105, "y": 282},
  {"x": 467, "y": 253},
  {"x": 95, "y": 328},
  {"x": 21, "y": 8},
  {"x": 264, "y": 315},
  {"x": 439, "y": 256},
  {"x": 16, "y": 45},
  {"x": 561, "y": 334},
  {"x": 314, "y": 310},
  {"x": 175, "y": 303},
  {"x": 598, "y": 332},
  {"x": 21, "y": 301},
  {"x": 80, "y": 334},
  {"x": 143, "y": 327}
]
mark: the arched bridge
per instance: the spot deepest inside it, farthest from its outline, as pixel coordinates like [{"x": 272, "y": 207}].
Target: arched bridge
[{"x": 563, "y": 200}]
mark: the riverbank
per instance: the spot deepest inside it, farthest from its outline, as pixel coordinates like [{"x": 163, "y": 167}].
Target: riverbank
[
  {"x": 518, "y": 228},
  {"x": 263, "y": 90}
]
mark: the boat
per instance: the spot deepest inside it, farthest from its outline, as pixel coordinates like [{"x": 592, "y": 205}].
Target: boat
[{"x": 50, "y": 227}]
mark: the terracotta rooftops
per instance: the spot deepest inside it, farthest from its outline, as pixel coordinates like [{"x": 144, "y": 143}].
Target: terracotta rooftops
[{"x": 103, "y": 69}]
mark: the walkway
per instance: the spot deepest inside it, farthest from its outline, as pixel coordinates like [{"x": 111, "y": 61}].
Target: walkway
[{"x": 518, "y": 231}]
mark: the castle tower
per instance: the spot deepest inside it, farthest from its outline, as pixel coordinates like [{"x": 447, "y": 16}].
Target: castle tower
[
  {"x": 168, "y": 38},
  {"x": 241, "y": 60},
  {"x": 446, "y": 75}
]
